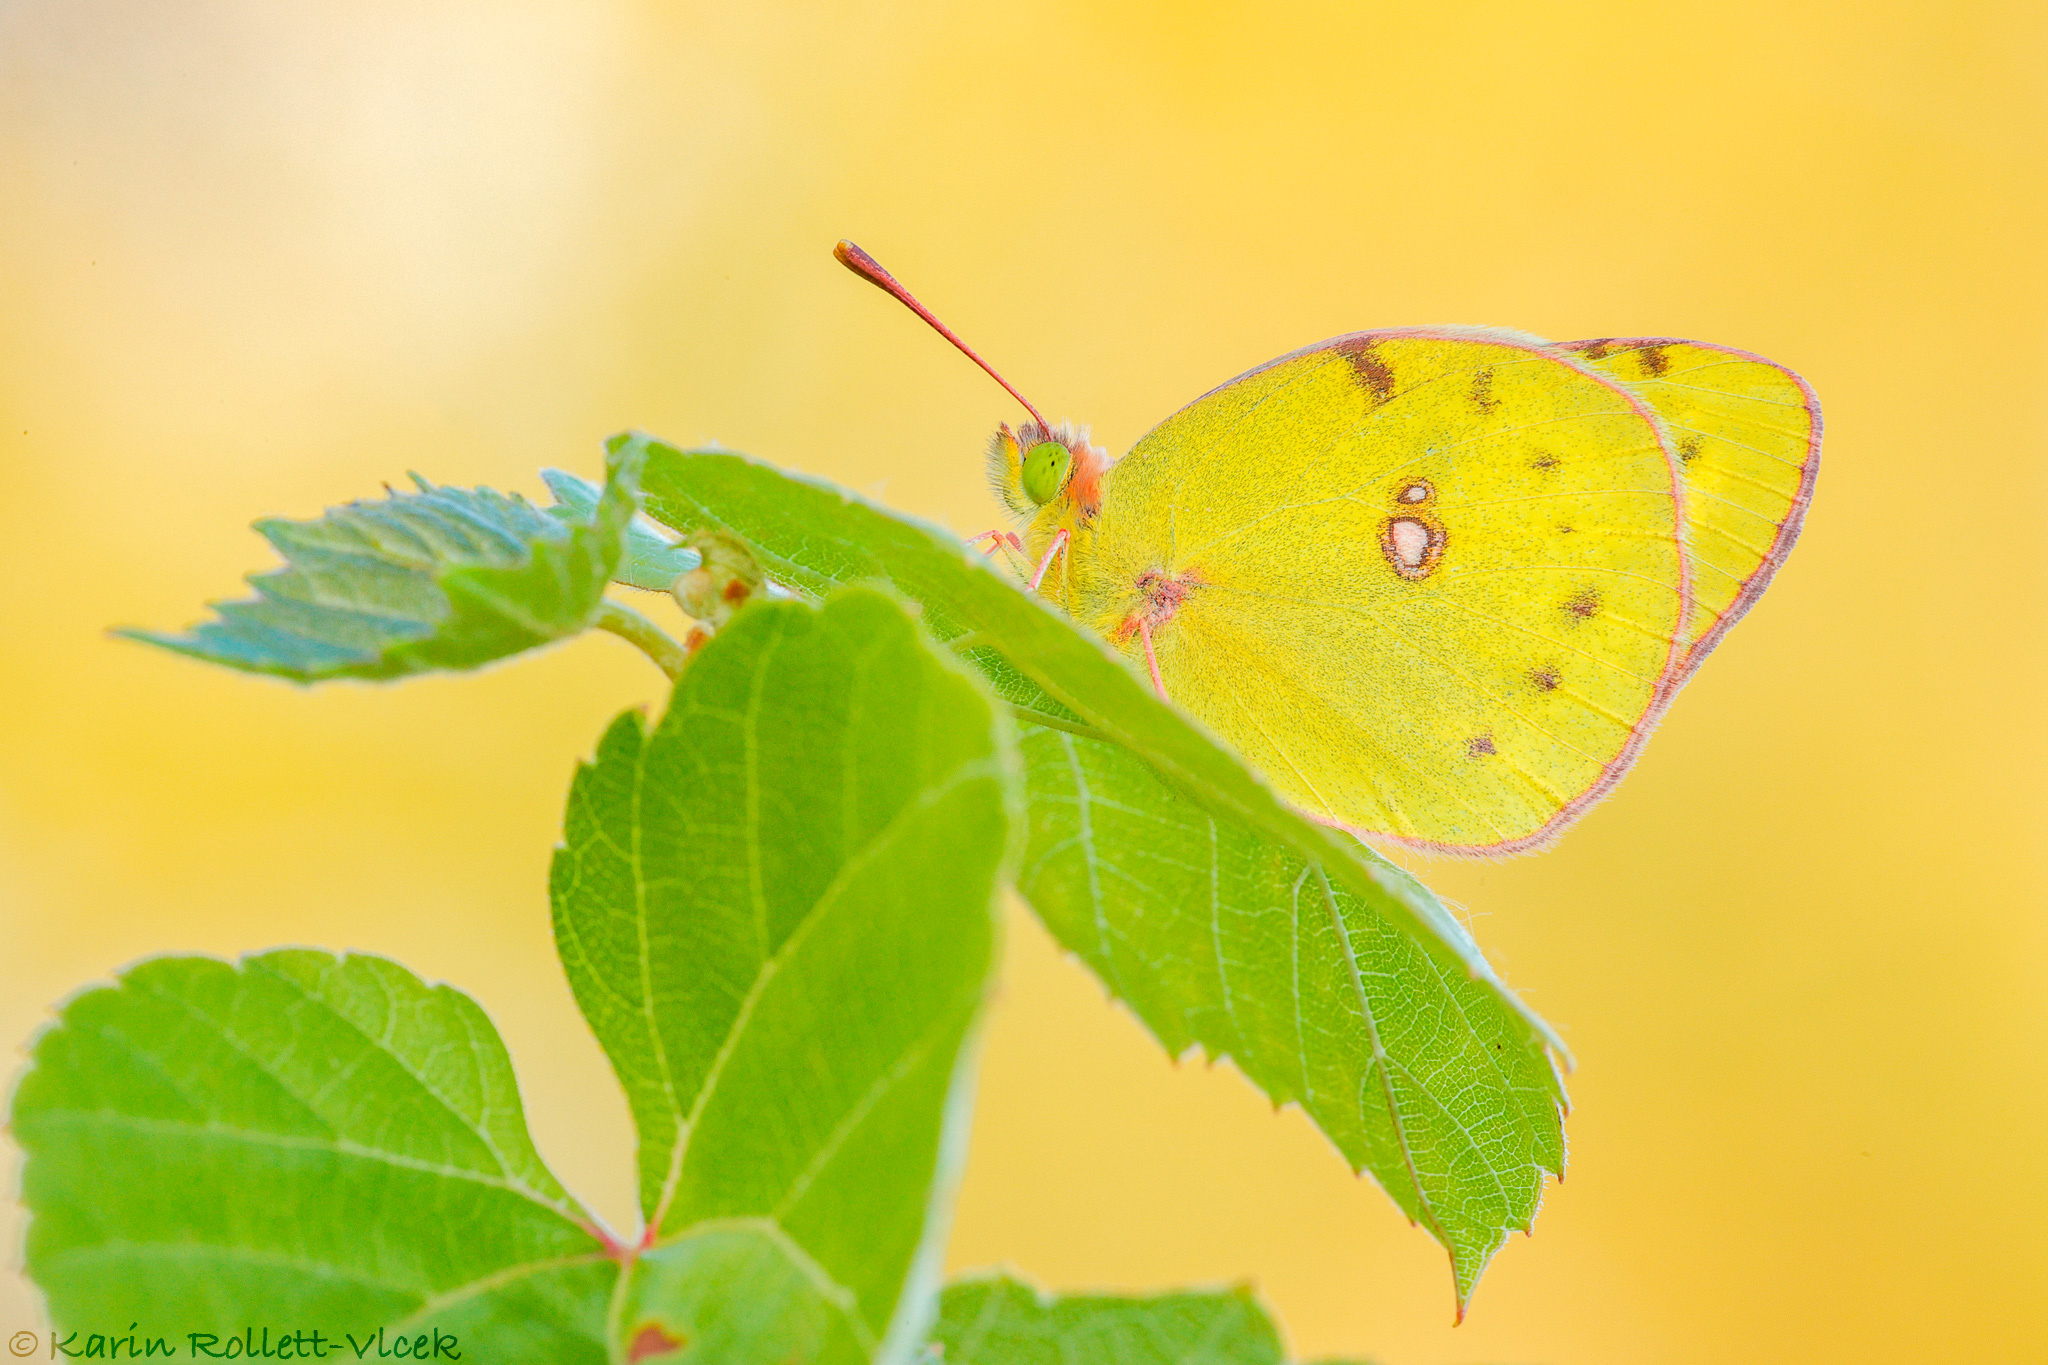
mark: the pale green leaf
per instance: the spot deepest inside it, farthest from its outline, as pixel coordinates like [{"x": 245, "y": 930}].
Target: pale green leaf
[
  {"x": 440, "y": 578},
  {"x": 651, "y": 562},
  {"x": 297, "y": 1141},
  {"x": 1417, "y": 1036},
  {"x": 776, "y": 908}
]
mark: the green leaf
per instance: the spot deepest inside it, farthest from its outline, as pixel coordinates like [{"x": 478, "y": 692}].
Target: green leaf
[
  {"x": 441, "y": 578},
  {"x": 652, "y": 562},
  {"x": 1420, "y": 1036},
  {"x": 1222, "y": 939},
  {"x": 1001, "y": 1321},
  {"x": 297, "y": 1141},
  {"x": 777, "y": 910}
]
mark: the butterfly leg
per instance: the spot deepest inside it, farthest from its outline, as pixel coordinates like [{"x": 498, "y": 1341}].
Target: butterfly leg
[
  {"x": 1008, "y": 543},
  {"x": 1059, "y": 542},
  {"x": 997, "y": 540},
  {"x": 1151, "y": 659}
]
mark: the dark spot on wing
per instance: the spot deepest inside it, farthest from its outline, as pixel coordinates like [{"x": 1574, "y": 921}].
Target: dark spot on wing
[
  {"x": 1689, "y": 448},
  {"x": 1544, "y": 460},
  {"x": 1482, "y": 390},
  {"x": 1563, "y": 529},
  {"x": 1545, "y": 678},
  {"x": 1655, "y": 362},
  {"x": 1371, "y": 368},
  {"x": 1597, "y": 350},
  {"x": 1479, "y": 746},
  {"x": 1583, "y": 604}
]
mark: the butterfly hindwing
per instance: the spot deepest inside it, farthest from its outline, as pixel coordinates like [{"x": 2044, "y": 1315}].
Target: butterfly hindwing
[{"x": 1747, "y": 431}]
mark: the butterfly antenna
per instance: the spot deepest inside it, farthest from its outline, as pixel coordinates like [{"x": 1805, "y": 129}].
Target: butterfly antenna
[{"x": 870, "y": 269}]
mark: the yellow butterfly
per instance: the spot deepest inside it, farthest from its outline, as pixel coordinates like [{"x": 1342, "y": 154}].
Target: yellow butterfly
[{"x": 1437, "y": 584}]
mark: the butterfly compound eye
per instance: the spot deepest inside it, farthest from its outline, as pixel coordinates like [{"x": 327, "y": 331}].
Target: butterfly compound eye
[{"x": 1046, "y": 466}]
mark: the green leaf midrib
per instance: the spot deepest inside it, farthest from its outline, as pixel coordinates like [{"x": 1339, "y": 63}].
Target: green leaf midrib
[
  {"x": 430, "y": 1304},
  {"x": 498, "y": 1279},
  {"x": 564, "y": 1209},
  {"x": 1379, "y": 1061},
  {"x": 509, "y": 607},
  {"x": 336, "y": 1146},
  {"x": 911, "y": 1057},
  {"x": 117, "y": 1246},
  {"x": 916, "y": 1053},
  {"x": 871, "y": 848}
]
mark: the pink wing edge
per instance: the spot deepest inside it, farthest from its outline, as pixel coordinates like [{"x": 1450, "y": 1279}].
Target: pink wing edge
[{"x": 1669, "y": 679}]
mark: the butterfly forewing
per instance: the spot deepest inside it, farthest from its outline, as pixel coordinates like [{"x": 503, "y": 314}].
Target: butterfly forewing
[
  {"x": 1747, "y": 432},
  {"x": 1432, "y": 584}
]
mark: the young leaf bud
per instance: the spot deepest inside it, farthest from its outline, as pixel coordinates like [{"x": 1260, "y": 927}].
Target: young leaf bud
[{"x": 726, "y": 579}]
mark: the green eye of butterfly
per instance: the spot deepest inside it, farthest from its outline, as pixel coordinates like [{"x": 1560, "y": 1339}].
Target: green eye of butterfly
[{"x": 1045, "y": 471}]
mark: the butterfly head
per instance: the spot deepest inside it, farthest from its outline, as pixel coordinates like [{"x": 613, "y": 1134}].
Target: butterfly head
[
  {"x": 1037, "y": 469},
  {"x": 1033, "y": 469}
]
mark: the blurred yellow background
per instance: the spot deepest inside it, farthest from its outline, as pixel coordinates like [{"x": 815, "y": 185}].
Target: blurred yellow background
[{"x": 258, "y": 258}]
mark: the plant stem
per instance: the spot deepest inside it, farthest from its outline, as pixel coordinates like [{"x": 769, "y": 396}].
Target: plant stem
[{"x": 651, "y": 640}]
